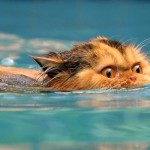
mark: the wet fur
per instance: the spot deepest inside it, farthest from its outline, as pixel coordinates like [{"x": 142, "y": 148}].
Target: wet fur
[{"x": 80, "y": 67}]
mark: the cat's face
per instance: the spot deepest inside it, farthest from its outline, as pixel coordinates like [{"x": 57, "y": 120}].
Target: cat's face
[
  {"x": 98, "y": 63},
  {"x": 114, "y": 69}
]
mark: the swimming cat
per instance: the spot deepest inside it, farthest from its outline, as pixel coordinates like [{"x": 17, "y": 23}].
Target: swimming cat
[{"x": 97, "y": 63}]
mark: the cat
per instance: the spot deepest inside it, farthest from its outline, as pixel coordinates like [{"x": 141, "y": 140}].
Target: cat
[{"x": 95, "y": 64}]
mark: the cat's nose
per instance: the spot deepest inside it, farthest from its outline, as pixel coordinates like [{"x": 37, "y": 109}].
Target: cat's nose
[{"x": 133, "y": 78}]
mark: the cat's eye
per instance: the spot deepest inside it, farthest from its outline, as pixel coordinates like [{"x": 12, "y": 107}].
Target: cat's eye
[
  {"x": 137, "y": 68},
  {"x": 109, "y": 72}
]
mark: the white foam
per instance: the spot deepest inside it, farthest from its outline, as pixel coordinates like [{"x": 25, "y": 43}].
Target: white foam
[{"x": 8, "y": 61}]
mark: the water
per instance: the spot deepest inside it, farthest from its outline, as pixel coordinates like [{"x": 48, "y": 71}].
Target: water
[
  {"x": 78, "y": 120},
  {"x": 90, "y": 119}
]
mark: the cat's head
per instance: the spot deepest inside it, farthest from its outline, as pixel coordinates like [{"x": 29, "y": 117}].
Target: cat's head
[{"x": 98, "y": 63}]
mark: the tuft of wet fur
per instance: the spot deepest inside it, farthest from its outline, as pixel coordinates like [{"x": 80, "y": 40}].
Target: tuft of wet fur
[{"x": 80, "y": 67}]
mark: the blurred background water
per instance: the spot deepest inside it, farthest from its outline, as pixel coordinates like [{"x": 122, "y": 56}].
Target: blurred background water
[{"x": 91, "y": 120}]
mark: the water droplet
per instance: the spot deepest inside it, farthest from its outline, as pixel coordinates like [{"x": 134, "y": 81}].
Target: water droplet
[{"x": 8, "y": 61}]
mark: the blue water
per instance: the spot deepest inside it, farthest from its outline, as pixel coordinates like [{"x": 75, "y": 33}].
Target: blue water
[{"x": 78, "y": 120}]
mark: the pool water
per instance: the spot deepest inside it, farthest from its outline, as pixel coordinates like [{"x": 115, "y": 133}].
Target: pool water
[{"x": 77, "y": 120}]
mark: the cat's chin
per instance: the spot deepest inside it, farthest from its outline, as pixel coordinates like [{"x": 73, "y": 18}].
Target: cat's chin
[
  {"x": 135, "y": 85},
  {"x": 127, "y": 83}
]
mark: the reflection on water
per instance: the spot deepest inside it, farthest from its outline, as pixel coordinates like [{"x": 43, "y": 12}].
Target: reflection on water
[
  {"x": 78, "y": 146},
  {"x": 90, "y": 119},
  {"x": 116, "y": 119}
]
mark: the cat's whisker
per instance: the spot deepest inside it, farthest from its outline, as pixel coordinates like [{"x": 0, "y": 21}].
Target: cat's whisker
[
  {"x": 146, "y": 41},
  {"x": 144, "y": 45},
  {"x": 125, "y": 42},
  {"x": 140, "y": 46}
]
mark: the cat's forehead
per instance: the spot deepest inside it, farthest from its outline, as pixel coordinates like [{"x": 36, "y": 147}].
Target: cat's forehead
[
  {"x": 108, "y": 56},
  {"x": 111, "y": 43},
  {"x": 110, "y": 52}
]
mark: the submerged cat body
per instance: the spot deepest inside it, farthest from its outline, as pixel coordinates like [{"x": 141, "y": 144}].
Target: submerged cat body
[{"x": 97, "y": 63}]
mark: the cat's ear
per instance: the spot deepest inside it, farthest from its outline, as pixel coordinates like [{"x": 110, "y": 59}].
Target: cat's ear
[{"x": 47, "y": 62}]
